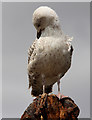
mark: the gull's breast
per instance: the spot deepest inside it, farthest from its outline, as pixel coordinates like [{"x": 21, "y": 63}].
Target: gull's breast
[{"x": 53, "y": 57}]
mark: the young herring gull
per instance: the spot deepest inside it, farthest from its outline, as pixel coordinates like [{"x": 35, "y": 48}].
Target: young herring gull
[{"x": 49, "y": 57}]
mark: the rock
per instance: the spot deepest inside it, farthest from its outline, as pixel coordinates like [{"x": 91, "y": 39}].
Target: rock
[{"x": 49, "y": 107}]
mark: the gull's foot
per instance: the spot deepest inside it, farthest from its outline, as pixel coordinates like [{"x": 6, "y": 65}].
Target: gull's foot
[{"x": 61, "y": 96}]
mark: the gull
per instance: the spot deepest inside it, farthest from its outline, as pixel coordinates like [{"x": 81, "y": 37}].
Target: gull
[{"x": 49, "y": 57}]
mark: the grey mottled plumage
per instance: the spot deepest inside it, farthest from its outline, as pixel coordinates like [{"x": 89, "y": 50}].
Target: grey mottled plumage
[{"x": 50, "y": 55}]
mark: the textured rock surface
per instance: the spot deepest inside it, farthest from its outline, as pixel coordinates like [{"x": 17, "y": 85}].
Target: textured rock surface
[{"x": 49, "y": 107}]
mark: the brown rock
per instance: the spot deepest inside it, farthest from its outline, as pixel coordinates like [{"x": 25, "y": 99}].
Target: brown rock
[{"x": 49, "y": 107}]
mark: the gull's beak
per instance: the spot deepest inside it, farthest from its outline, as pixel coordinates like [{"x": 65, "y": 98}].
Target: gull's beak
[{"x": 38, "y": 34}]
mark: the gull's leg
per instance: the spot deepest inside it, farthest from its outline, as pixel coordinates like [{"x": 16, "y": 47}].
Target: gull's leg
[
  {"x": 59, "y": 95},
  {"x": 43, "y": 82},
  {"x": 58, "y": 83}
]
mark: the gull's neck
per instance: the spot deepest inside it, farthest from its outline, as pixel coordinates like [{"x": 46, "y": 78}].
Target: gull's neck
[{"x": 51, "y": 31}]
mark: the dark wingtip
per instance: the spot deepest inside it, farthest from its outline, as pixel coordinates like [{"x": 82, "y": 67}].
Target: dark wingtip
[
  {"x": 71, "y": 51},
  {"x": 48, "y": 89}
]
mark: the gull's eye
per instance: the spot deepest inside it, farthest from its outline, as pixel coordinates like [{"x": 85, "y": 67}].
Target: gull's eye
[{"x": 38, "y": 25}]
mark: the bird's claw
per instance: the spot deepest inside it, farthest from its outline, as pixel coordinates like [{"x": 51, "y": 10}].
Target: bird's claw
[{"x": 61, "y": 96}]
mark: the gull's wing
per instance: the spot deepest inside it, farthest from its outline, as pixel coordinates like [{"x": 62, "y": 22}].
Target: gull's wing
[{"x": 30, "y": 51}]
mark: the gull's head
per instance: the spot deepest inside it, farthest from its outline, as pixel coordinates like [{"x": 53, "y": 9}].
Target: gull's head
[{"x": 43, "y": 17}]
